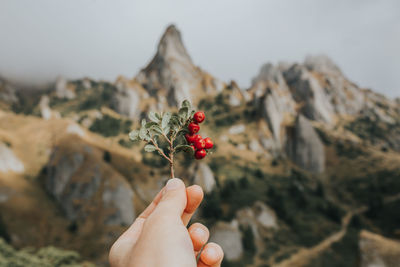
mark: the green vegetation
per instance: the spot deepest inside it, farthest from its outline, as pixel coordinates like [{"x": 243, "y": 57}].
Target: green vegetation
[
  {"x": 110, "y": 126},
  {"x": 44, "y": 257},
  {"x": 377, "y": 131},
  {"x": 343, "y": 253}
]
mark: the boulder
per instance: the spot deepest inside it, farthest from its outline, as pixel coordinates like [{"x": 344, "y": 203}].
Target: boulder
[
  {"x": 45, "y": 110},
  {"x": 63, "y": 89},
  {"x": 237, "y": 129},
  {"x": 129, "y": 98},
  {"x": 75, "y": 129},
  {"x": 228, "y": 236},
  {"x": 264, "y": 215},
  {"x": 86, "y": 187},
  {"x": 304, "y": 146},
  {"x": 9, "y": 161},
  {"x": 203, "y": 176}
]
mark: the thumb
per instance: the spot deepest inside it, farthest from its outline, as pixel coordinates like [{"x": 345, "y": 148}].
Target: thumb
[{"x": 174, "y": 199}]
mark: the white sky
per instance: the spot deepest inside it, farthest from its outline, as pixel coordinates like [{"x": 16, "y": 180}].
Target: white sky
[{"x": 231, "y": 39}]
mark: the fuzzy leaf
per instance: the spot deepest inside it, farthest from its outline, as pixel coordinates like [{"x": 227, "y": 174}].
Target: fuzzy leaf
[
  {"x": 185, "y": 148},
  {"x": 183, "y": 113},
  {"x": 153, "y": 117},
  {"x": 134, "y": 135},
  {"x": 143, "y": 132},
  {"x": 150, "y": 124},
  {"x": 149, "y": 148},
  {"x": 156, "y": 129},
  {"x": 167, "y": 129},
  {"x": 143, "y": 122},
  {"x": 186, "y": 103},
  {"x": 165, "y": 120}
]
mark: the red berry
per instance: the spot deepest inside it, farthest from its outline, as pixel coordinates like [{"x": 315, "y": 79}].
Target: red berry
[
  {"x": 200, "y": 144},
  {"x": 197, "y": 137},
  {"x": 199, "y": 154},
  {"x": 209, "y": 143},
  {"x": 199, "y": 116},
  {"x": 193, "y": 128},
  {"x": 190, "y": 138},
  {"x": 193, "y": 147}
]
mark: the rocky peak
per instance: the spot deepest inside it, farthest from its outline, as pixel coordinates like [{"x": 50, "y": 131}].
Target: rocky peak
[
  {"x": 171, "y": 75},
  {"x": 322, "y": 64},
  {"x": 171, "y": 47}
]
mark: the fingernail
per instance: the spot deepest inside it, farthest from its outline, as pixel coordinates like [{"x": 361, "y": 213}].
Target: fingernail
[
  {"x": 212, "y": 252},
  {"x": 172, "y": 184},
  {"x": 199, "y": 232}
]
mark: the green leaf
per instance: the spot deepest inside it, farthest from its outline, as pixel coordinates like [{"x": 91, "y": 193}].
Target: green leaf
[
  {"x": 156, "y": 129},
  {"x": 149, "y": 148},
  {"x": 165, "y": 121},
  {"x": 186, "y": 103},
  {"x": 134, "y": 135},
  {"x": 167, "y": 129},
  {"x": 150, "y": 124},
  {"x": 143, "y": 132},
  {"x": 183, "y": 113},
  {"x": 153, "y": 117},
  {"x": 185, "y": 148}
]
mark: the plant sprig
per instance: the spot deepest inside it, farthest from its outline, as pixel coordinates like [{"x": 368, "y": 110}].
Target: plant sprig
[{"x": 167, "y": 126}]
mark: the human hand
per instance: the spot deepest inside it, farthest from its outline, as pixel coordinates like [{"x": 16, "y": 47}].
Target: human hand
[{"x": 159, "y": 236}]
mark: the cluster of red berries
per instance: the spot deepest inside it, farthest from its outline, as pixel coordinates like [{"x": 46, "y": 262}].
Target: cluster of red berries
[{"x": 195, "y": 140}]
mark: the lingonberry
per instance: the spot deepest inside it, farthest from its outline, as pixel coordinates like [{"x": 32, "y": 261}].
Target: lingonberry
[
  {"x": 193, "y": 128},
  {"x": 208, "y": 143},
  {"x": 199, "y": 154},
  {"x": 190, "y": 138},
  {"x": 199, "y": 116},
  {"x": 197, "y": 137},
  {"x": 200, "y": 144}
]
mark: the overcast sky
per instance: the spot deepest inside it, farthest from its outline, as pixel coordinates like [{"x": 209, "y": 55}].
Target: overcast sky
[{"x": 231, "y": 39}]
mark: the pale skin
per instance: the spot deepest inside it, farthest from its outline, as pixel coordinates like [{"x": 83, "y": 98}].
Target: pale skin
[{"x": 159, "y": 237}]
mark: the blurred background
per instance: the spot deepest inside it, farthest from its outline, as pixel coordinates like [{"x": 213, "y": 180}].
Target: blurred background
[{"x": 301, "y": 98}]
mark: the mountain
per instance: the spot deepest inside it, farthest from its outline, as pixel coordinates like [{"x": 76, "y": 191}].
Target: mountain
[
  {"x": 172, "y": 77},
  {"x": 305, "y": 163}
]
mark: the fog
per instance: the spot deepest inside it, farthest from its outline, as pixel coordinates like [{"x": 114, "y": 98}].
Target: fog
[{"x": 231, "y": 39}]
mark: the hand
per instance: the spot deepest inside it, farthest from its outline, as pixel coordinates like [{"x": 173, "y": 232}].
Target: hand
[{"x": 159, "y": 236}]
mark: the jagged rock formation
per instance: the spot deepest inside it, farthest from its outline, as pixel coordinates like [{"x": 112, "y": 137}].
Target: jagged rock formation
[
  {"x": 84, "y": 185},
  {"x": 203, "y": 176},
  {"x": 130, "y": 98},
  {"x": 64, "y": 89},
  {"x": 228, "y": 236},
  {"x": 318, "y": 90},
  {"x": 378, "y": 251},
  {"x": 274, "y": 102},
  {"x": 8, "y": 95},
  {"x": 304, "y": 147},
  {"x": 171, "y": 75},
  {"x": 8, "y": 160}
]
